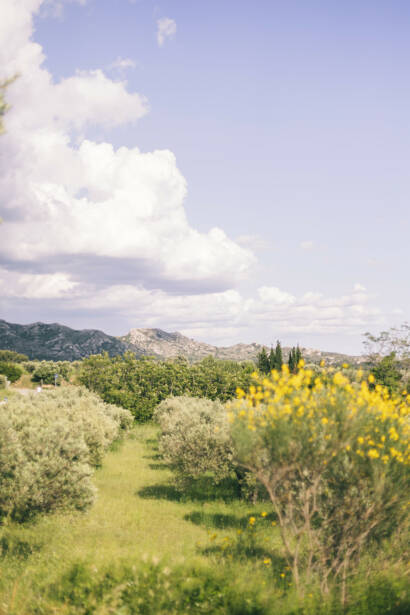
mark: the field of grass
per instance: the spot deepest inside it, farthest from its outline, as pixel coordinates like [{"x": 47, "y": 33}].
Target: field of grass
[{"x": 140, "y": 515}]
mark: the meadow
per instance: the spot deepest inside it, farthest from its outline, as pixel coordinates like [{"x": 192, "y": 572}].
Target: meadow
[{"x": 183, "y": 520}]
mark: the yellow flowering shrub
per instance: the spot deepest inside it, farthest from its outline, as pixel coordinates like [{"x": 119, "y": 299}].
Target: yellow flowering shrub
[{"x": 333, "y": 454}]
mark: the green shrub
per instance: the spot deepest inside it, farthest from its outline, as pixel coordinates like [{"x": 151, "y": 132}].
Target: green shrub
[
  {"x": 156, "y": 589},
  {"x": 45, "y": 371},
  {"x": 195, "y": 437},
  {"x": 10, "y": 356},
  {"x": 141, "y": 384},
  {"x": 11, "y": 371},
  {"x": 48, "y": 445}
]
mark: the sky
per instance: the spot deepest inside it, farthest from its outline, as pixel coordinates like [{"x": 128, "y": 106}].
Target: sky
[{"x": 233, "y": 170}]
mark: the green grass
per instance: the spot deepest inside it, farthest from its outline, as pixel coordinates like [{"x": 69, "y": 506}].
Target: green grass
[{"x": 140, "y": 515}]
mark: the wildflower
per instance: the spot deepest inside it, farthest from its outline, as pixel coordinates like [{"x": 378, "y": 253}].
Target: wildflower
[
  {"x": 373, "y": 453},
  {"x": 252, "y": 520},
  {"x": 264, "y": 514},
  {"x": 267, "y": 561},
  {"x": 371, "y": 378}
]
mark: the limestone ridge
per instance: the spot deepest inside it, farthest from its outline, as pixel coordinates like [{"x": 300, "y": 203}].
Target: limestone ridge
[
  {"x": 60, "y": 343},
  {"x": 170, "y": 345}
]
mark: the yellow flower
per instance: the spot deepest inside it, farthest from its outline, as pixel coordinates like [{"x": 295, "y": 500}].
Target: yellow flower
[
  {"x": 345, "y": 365},
  {"x": 264, "y": 514},
  {"x": 252, "y": 520},
  {"x": 371, "y": 378},
  {"x": 373, "y": 453},
  {"x": 267, "y": 561},
  {"x": 325, "y": 420},
  {"x": 282, "y": 574},
  {"x": 360, "y": 440}
]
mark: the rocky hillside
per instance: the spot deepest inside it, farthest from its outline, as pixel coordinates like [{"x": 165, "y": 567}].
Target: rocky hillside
[
  {"x": 156, "y": 342},
  {"x": 56, "y": 342},
  {"x": 159, "y": 343}
]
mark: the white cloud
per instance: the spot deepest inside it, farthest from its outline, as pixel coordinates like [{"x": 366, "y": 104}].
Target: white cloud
[
  {"x": 63, "y": 198},
  {"x": 35, "y": 286},
  {"x": 307, "y": 245},
  {"x": 214, "y": 314},
  {"x": 121, "y": 65},
  {"x": 166, "y": 29}
]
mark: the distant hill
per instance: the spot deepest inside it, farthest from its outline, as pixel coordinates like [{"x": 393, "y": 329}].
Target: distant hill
[
  {"x": 59, "y": 343},
  {"x": 168, "y": 345},
  {"x": 56, "y": 342},
  {"x": 165, "y": 345}
]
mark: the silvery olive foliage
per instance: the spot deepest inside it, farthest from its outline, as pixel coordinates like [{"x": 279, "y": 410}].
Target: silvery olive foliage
[
  {"x": 195, "y": 437},
  {"x": 49, "y": 444}
]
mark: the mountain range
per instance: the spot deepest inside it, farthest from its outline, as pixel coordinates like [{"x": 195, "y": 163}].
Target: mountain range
[{"x": 57, "y": 342}]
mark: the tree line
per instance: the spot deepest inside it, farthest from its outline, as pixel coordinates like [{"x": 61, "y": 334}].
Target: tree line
[{"x": 274, "y": 360}]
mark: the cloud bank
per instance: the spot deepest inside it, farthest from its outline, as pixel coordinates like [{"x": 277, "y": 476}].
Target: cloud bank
[{"x": 93, "y": 229}]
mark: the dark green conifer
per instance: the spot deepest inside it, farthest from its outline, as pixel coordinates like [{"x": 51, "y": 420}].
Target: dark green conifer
[
  {"x": 291, "y": 360},
  {"x": 298, "y": 355},
  {"x": 278, "y": 356},
  {"x": 272, "y": 359},
  {"x": 263, "y": 361}
]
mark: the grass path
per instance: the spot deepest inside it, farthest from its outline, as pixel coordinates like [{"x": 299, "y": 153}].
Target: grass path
[{"x": 137, "y": 512}]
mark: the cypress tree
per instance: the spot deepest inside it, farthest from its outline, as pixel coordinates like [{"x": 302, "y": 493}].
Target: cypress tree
[
  {"x": 272, "y": 359},
  {"x": 263, "y": 361},
  {"x": 278, "y": 356},
  {"x": 298, "y": 355},
  {"x": 291, "y": 360}
]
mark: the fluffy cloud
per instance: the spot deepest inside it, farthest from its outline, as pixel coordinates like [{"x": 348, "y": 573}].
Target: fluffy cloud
[
  {"x": 89, "y": 229},
  {"x": 35, "y": 286},
  {"x": 65, "y": 196},
  {"x": 166, "y": 28}
]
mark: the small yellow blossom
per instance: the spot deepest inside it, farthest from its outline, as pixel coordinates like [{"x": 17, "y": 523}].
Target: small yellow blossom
[
  {"x": 252, "y": 520},
  {"x": 373, "y": 453},
  {"x": 264, "y": 514}
]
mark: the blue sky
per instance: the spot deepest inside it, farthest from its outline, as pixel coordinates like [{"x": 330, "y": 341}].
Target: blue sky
[{"x": 288, "y": 121}]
